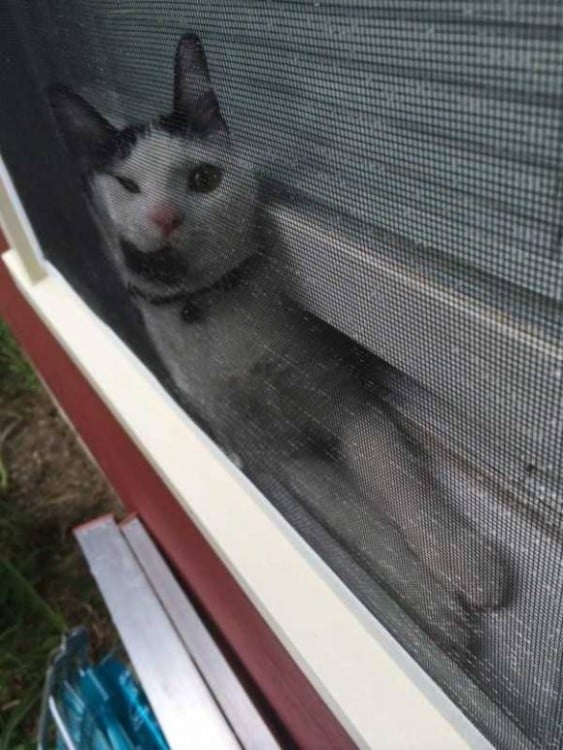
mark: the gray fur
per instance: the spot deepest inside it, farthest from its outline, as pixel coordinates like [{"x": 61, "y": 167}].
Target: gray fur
[{"x": 277, "y": 388}]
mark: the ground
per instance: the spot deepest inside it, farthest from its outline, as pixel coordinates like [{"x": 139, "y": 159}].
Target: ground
[{"x": 47, "y": 486}]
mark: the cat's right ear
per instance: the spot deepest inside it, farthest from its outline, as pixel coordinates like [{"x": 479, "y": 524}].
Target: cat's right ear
[{"x": 89, "y": 137}]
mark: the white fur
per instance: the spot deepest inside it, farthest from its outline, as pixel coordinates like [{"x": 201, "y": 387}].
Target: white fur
[{"x": 213, "y": 233}]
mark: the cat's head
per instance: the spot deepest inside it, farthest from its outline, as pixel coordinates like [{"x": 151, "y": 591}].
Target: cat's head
[{"x": 176, "y": 198}]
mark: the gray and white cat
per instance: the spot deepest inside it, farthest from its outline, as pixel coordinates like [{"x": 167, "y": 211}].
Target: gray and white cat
[{"x": 302, "y": 408}]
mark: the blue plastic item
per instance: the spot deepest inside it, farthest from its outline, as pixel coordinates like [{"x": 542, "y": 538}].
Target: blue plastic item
[{"x": 94, "y": 707}]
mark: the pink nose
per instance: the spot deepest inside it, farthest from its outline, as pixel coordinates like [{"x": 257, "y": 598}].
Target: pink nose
[{"x": 166, "y": 218}]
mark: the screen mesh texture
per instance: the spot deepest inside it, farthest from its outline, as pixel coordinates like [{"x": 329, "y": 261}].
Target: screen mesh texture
[{"x": 334, "y": 231}]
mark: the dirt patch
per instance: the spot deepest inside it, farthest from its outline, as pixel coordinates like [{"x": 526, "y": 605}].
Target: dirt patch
[
  {"x": 49, "y": 472},
  {"x": 52, "y": 480}
]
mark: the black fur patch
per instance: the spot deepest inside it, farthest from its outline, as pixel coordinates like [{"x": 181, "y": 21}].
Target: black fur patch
[
  {"x": 127, "y": 138},
  {"x": 176, "y": 123},
  {"x": 179, "y": 124},
  {"x": 91, "y": 139},
  {"x": 119, "y": 147},
  {"x": 165, "y": 266}
]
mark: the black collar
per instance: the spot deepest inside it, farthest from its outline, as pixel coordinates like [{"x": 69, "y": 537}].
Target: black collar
[{"x": 191, "y": 311}]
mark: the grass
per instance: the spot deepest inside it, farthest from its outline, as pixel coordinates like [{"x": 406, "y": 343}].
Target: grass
[
  {"x": 16, "y": 378},
  {"x": 46, "y": 487},
  {"x": 16, "y": 375}
]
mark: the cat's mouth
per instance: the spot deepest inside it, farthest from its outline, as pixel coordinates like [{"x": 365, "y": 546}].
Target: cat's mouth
[{"x": 164, "y": 266}]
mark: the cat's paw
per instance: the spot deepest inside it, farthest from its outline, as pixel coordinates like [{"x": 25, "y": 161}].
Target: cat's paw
[
  {"x": 424, "y": 492},
  {"x": 450, "y": 625},
  {"x": 474, "y": 567},
  {"x": 235, "y": 459}
]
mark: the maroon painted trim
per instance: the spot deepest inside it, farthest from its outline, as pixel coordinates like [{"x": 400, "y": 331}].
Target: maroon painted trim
[{"x": 306, "y": 718}]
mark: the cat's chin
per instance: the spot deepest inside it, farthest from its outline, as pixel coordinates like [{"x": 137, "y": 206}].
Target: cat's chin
[{"x": 165, "y": 266}]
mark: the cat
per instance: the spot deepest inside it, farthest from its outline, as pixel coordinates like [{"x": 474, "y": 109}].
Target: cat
[{"x": 300, "y": 407}]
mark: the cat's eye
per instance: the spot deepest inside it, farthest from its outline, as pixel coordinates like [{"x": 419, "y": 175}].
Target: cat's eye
[
  {"x": 204, "y": 178},
  {"x": 129, "y": 184}
]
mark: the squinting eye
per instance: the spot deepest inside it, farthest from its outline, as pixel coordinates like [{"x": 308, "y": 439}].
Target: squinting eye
[
  {"x": 204, "y": 178},
  {"x": 129, "y": 185}
]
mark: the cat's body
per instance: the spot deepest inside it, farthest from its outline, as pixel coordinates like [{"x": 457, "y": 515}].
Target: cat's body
[
  {"x": 240, "y": 366},
  {"x": 279, "y": 390}
]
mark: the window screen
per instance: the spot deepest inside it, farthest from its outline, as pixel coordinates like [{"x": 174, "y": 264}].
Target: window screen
[{"x": 334, "y": 231}]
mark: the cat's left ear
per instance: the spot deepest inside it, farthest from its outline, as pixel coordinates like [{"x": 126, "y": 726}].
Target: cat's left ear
[
  {"x": 194, "y": 97},
  {"x": 88, "y": 136}
]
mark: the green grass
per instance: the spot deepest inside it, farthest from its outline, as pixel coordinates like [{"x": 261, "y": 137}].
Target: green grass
[
  {"x": 29, "y": 629},
  {"x": 16, "y": 375},
  {"x": 17, "y": 378},
  {"x": 44, "y": 584}
]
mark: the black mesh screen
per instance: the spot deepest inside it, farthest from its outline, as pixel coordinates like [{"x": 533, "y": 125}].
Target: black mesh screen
[{"x": 334, "y": 231}]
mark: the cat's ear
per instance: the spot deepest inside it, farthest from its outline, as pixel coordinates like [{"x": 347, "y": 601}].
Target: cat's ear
[
  {"x": 194, "y": 97},
  {"x": 89, "y": 137}
]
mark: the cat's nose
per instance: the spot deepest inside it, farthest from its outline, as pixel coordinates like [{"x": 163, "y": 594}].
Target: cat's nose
[{"x": 166, "y": 218}]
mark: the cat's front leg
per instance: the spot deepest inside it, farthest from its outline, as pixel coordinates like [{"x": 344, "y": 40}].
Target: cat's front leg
[
  {"x": 399, "y": 477},
  {"x": 328, "y": 499}
]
